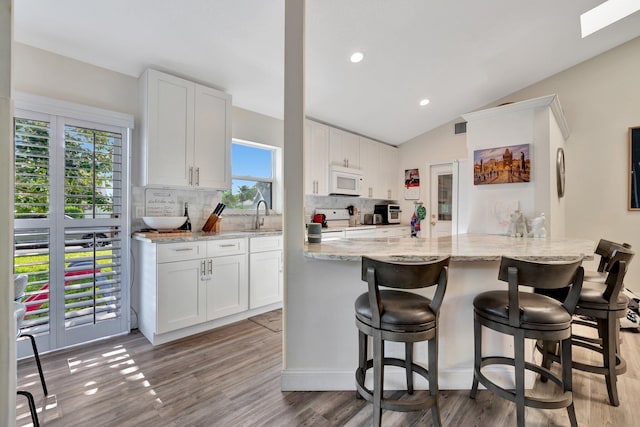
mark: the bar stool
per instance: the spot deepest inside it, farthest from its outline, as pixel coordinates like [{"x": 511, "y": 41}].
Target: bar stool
[
  {"x": 400, "y": 317},
  {"x": 20, "y": 283},
  {"x": 526, "y": 315},
  {"x": 601, "y": 308},
  {"x": 605, "y": 249}
]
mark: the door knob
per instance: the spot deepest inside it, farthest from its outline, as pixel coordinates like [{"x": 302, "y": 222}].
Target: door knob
[{"x": 433, "y": 223}]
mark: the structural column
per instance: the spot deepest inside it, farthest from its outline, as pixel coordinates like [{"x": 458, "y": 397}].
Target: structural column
[
  {"x": 293, "y": 217},
  {"x": 7, "y": 329}
]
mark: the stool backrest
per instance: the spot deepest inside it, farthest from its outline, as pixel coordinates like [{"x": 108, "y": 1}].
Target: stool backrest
[
  {"x": 541, "y": 276},
  {"x": 405, "y": 275},
  {"x": 618, "y": 269},
  {"x": 605, "y": 249}
]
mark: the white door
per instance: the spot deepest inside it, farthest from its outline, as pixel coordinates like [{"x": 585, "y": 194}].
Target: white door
[{"x": 441, "y": 200}]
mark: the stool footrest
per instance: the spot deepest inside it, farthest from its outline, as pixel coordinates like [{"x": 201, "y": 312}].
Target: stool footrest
[
  {"x": 621, "y": 364},
  {"x": 562, "y": 401},
  {"x": 395, "y": 404}
]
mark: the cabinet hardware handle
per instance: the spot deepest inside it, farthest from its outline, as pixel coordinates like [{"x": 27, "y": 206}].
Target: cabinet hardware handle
[
  {"x": 190, "y": 175},
  {"x": 198, "y": 176},
  {"x": 210, "y": 267},
  {"x": 183, "y": 249},
  {"x": 203, "y": 270},
  {"x": 229, "y": 245}
]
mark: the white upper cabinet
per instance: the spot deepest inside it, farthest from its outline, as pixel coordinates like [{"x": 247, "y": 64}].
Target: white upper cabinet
[
  {"x": 369, "y": 164},
  {"x": 185, "y": 133},
  {"x": 212, "y": 134},
  {"x": 389, "y": 174},
  {"x": 344, "y": 148},
  {"x": 379, "y": 164},
  {"x": 316, "y": 158}
]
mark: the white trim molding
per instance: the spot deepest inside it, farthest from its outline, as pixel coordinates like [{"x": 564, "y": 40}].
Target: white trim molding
[{"x": 41, "y": 104}]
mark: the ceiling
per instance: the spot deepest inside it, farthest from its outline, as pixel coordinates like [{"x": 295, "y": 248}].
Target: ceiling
[{"x": 462, "y": 54}]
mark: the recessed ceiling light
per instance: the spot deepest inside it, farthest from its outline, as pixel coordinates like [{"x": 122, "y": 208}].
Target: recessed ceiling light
[
  {"x": 606, "y": 14},
  {"x": 424, "y": 102},
  {"x": 357, "y": 57}
]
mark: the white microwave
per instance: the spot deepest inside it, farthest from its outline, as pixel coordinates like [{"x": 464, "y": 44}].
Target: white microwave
[{"x": 345, "y": 181}]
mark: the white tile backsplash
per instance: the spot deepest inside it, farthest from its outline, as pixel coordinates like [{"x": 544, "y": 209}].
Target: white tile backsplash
[{"x": 201, "y": 205}]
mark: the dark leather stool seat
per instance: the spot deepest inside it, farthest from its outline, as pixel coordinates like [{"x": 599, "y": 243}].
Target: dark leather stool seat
[
  {"x": 600, "y": 307},
  {"x": 401, "y": 317},
  {"x": 526, "y": 315},
  {"x": 403, "y": 311}
]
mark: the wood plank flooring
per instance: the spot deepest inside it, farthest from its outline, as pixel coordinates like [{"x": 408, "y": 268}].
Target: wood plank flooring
[{"x": 231, "y": 377}]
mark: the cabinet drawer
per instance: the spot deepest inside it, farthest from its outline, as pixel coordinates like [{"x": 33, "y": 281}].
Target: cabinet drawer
[
  {"x": 267, "y": 243},
  {"x": 369, "y": 232},
  {"x": 226, "y": 247},
  {"x": 180, "y": 251},
  {"x": 393, "y": 232}
]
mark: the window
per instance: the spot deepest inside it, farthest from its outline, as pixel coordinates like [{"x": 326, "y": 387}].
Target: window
[
  {"x": 69, "y": 196},
  {"x": 252, "y": 175}
]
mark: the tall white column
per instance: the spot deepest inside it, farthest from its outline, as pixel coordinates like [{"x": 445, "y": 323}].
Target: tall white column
[
  {"x": 7, "y": 329},
  {"x": 293, "y": 161}
]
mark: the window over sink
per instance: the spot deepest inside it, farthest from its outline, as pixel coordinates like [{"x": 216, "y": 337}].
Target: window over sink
[{"x": 255, "y": 176}]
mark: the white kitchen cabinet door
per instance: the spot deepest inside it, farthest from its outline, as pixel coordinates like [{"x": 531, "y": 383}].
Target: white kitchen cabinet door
[
  {"x": 167, "y": 152},
  {"x": 360, "y": 233},
  {"x": 181, "y": 302},
  {"x": 344, "y": 148},
  {"x": 185, "y": 134},
  {"x": 389, "y": 173},
  {"x": 393, "y": 231},
  {"x": 265, "y": 275},
  {"x": 212, "y": 134},
  {"x": 369, "y": 164},
  {"x": 227, "y": 289},
  {"x": 316, "y": 159}
]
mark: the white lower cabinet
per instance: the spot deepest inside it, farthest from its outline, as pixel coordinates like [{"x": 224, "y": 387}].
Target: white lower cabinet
[
  {"x": 180, "y": 300},
  {"x": 189, "y": 287},
  {"x": 227, "y": 286},
  {"x": 265, "y": 271}
]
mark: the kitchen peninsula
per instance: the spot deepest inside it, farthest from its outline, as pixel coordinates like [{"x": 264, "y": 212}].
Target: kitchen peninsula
[{"x": 329, "y": 337}]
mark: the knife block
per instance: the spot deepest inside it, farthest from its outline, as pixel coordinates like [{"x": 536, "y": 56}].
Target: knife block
[{"x": 212, "y": 225}]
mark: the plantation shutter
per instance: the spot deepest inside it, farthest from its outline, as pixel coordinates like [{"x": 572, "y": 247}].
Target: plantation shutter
[
  {"x": 92, "y": 233},
  {"x": 31, "y": 203}
]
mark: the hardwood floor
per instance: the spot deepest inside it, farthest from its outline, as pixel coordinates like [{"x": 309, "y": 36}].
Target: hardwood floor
[{"x": 231, "y": 377}]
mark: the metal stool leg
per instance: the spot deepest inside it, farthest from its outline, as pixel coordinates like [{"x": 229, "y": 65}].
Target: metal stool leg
[
  {"x": 37, "y": 357},
  {"x": 32, "y": 407}
]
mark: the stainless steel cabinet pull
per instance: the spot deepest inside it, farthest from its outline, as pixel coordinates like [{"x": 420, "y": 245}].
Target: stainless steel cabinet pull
[
  {"x": 190, "y": 175},
  {"x": 229, "y": 245},
  {"x": 198, "y": 176},
  {"x": 183, "y": 249},
  {"x": 203, "y": 270},
  {"x": 210, "y": 266}
]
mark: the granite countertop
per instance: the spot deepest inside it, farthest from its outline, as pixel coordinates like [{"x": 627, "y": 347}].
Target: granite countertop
[
  {"x": 197, "y": 236},
  {"x": 462, "y": 247}
]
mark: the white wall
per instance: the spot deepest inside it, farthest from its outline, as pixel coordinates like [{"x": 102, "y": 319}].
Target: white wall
[
  {"x": 600, "y": 99},
  {"x": 488, "y": 207},
  {"x": 438, "y": 146}
]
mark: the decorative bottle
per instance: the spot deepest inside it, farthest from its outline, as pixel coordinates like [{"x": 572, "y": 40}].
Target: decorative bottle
[{"x": 187, "y": 225}]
